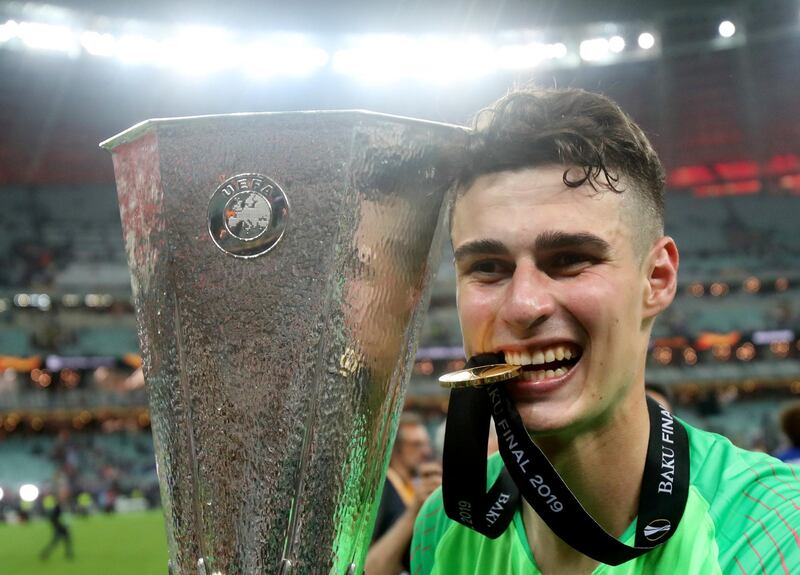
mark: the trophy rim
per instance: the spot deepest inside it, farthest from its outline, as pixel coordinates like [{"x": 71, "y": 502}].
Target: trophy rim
[{"x": 138, "y": 130}]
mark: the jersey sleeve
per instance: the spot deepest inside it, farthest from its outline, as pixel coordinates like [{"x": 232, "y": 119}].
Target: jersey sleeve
[{"x": 762, "y": 527}]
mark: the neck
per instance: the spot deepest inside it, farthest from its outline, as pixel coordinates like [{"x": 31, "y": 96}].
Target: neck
[
  {"x": 603, "y": 467},
  {"x": 403, "y": 472}
]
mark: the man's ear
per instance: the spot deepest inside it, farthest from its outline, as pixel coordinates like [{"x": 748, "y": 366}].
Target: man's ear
[{"x": 662, "y": 277}]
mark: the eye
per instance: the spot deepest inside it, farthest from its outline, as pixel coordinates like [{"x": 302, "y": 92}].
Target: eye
[
  {"x": 486, "y": 269},
  {"x": 571, "y": 262},
  {"x": 569, "y": 259}
]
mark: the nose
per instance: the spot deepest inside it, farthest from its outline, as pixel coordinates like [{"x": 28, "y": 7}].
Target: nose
[
  {"x": 528, "y": 300},
  {"x": 427, "y": 451}
]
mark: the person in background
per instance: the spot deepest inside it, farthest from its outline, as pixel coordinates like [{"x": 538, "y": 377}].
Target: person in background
[
  {"x": 60, "y": 528},
  {"x": 790, "y": 424},
  {"x": 410, "y": 479}
]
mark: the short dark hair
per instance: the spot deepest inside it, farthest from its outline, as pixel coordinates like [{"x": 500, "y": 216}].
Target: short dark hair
[
  {"x": 407, "y": 419},
  {"x": 790, "y": 422},
  {"x": 529, "y": 128}
]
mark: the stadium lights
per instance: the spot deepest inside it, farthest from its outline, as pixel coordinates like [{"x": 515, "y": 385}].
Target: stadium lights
[
  {"x": 97, "y": 44},
  {"x": 199, "y": 50},
  {"x": 616, "y": 44},
  {"x": 594, "y": 50},
  {"x": 370, "y": 58},
  {"x": 136, "y": 49},
  {"x": 524, "y": 56},
  {"x": 28, "y": 492},
  {"x": 48, "y": 37},
  {"x": 282, "y": 55},
  {"x": 727, "y": 29},
  {"x": 22, "y": 300},
  {"x": 382, "y": 58},
  {"x": 9, "y": 30},
  {"x": 646, "y": 40}
]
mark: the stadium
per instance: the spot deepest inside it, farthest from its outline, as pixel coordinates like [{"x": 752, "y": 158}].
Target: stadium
[{"x": 713, "y": 84}]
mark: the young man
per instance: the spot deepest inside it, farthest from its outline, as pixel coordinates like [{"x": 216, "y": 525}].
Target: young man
[{"x": 562, "y": 267}]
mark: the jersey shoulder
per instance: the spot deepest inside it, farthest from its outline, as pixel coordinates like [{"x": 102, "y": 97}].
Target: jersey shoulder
[{"x": 753, "y": 502}]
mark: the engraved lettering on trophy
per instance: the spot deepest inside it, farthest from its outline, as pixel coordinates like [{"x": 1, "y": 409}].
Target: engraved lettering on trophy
[{"x": 247, "y": 215}]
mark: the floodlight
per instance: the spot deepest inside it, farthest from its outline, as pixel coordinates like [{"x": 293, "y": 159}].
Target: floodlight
[
  {"x": 646, "y": 40},
  {"x": 48, "y": 37},
  {"x": 594, "y": 49},
  {"x": 9, "y": 30},
  {"x": 727, "y": 29},
  {"x": 98, "y": 44},
  {"x": 199, "y": 50},
  {"x": 22, "y": 300},
  {"x": 135, "y": 49},
  {"x": 43, "y": 301},
  {"x": 382, "y": 58},
  {"x": 616, "y": 44},
  {"x": 522, "y": 56},
  {"x": 28, "y": 492},
  {"x": 292, "y": 55}
]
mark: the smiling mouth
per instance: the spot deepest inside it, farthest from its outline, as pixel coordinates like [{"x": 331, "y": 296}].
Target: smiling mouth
[{"x": 545, "y": 363}]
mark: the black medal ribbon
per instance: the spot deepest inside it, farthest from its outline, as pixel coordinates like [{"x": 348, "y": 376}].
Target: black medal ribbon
[
  {"x": 528, "y": 472},
  {"x": 466, "y": 439}
]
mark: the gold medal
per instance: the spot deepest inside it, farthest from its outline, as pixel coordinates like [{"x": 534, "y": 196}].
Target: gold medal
[{"x": 479, "y": 376}]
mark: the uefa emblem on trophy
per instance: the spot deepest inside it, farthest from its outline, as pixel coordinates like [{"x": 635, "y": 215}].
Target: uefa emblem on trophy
[{"x": 280, "y": 267}]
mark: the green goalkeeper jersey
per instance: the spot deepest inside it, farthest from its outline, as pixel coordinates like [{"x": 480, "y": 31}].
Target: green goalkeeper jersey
[{"x": 742, "y": 517}]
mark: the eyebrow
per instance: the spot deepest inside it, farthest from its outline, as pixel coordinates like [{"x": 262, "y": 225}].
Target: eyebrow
[
  {"x": 557, "y": 240},
  {"x": 547, "y": 241},
  {"x": 480, "y": 247}
]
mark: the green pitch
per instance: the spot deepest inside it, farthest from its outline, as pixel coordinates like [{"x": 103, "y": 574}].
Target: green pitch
[{"x": 128, "y": 544}]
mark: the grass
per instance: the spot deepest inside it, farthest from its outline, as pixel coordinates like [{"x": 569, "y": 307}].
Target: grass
[{"x": 128, "y": 544}]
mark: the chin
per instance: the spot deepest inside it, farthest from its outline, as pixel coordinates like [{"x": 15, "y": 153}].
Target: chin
[{"x": 542, "y": 419}]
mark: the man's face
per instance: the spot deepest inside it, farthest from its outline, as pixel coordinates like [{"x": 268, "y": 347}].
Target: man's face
[
  {"x": 548, "y": 275},
  {"x": 414, "y": 446}
]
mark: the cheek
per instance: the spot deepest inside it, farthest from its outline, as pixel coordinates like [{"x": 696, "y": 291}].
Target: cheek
[
  {"x": 601, "y": 307},
  {"x": 609, "y": 311},
  {"x": 476, "y": 313}
]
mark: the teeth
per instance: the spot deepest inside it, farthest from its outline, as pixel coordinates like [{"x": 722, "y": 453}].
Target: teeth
[
  {"x": 539, "y": 357},
  {"x": 543, "y": 374}
]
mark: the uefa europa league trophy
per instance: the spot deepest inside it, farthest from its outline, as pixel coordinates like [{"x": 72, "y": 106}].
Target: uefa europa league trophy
[{"x": 280, "y": 265}]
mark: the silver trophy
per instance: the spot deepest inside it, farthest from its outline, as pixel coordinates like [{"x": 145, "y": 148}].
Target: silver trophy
[{"x": 280, "y": 265}]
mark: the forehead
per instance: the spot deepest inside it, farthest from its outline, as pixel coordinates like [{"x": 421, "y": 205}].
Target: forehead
[
  {"x": 413, "y": 430},
  {"x": 517, "y": 204}
]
